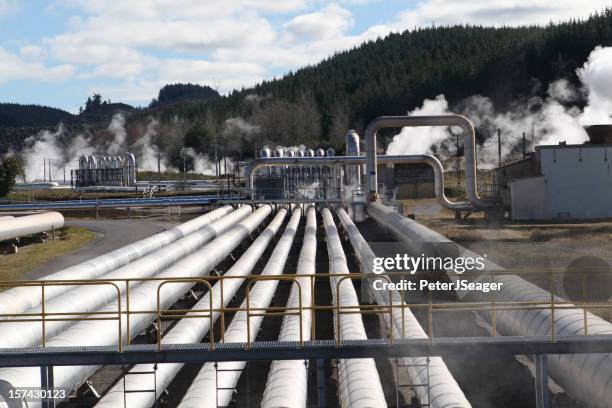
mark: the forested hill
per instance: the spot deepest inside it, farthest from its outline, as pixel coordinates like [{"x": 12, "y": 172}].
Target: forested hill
[
  {"x": 395, "y": 74},
  {"x": 16, "y": 115}
]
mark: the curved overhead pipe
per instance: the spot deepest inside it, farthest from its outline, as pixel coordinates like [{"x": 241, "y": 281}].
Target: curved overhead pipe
[
  {"x": 586, "y": 377},
  {"x": 144, "y": 297},
  {"x": 220, "y": 379},
  {"x": 251, "y": 168},
  {"x": 469, "y": 140},
  {"x": 30, "y": 224},
  {"x": 19, "y": 299},
  {"x": 189, "y": 330},
  {"x": 88, "y": 298},
  {"x": 443, "y": 391},
  {"x": 287, "y": 384},
  {"x": 358, "y": 380}
]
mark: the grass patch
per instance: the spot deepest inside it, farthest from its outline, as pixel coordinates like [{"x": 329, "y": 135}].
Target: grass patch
[{"x": 14, "y": 266}]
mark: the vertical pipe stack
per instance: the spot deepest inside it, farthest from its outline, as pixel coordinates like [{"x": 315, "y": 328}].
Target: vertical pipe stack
[{"x": 358, "y": 381}]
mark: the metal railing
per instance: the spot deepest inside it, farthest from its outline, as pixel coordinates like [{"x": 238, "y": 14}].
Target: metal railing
[{"x": 431, "y": 306}]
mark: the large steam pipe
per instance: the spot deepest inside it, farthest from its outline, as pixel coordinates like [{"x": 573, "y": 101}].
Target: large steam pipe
[
  {"x": 189, "y": 330},
  {"x": 287, "y": 384},
  {"x": 358, "y": 381},
  {"x": 251, "y": 168},
  {"x": 587, "y": 377},
  {"x": 442, "y": 391},
  {"x": 88, "y": 298},
  {"x": 469, "y": 141},
  {"x": 30, "y": 224},
  {"x": 220, "y": 380},
  {"x": 144, "y": 297},
  {"x": 19, "y": 299}
]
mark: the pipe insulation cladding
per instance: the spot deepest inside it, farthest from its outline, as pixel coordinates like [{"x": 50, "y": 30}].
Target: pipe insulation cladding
[
  {"x": 19, "y": 299},
  {"x": 189, "y": 330},
  {"x": 586, "y": 377},
  {"x": 222, "y": 380},
  {"x": 88, "y": 298},
  {"x": 142, "y": 298},
  {"x": 287, "y": 384},
  {"x": 30, "y": 224},
  {"x": 443, "y": 390},
  {"x": 358, "y": 380}
]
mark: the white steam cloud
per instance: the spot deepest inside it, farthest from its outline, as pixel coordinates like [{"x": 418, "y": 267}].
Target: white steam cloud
[
  {"x": 49, "y": 149},
  {"x": 117, "y": 128},
  {"x": 596, "y": 77},
  {"x": 545, "y": 120},
  {"x": 146, "y": 152},
  {"x": 413, "y": 140}
]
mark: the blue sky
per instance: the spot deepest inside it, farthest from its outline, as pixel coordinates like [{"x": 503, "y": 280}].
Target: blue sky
[{"x": 58, "y": 52}]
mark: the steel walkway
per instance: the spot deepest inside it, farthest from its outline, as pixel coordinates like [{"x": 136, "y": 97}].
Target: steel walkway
[{"x": 318, "y": 349}]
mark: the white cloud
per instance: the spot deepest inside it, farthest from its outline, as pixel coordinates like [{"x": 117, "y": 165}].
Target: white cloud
[
  {"x": 141, "y": 45},
  {"x": 497, "y": 13},
  {"x": 14, "y": 68},
  {"x": 329, "y": 22}
]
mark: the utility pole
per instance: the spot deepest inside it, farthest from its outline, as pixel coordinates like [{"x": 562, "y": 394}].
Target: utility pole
[
  {"x": 44, "y": 168},
  {"x": 457, "y": 163},
  {"x": 225, "y": 169},
  {"x": 49, "y": 163},
  {"x": 216, "y": 162},
  {"x": 158, "y": 165},
  {"x": 184, "y": 154},
  {"x": 64, "y": 165},
  {"x": 524, "y": 146},
  {"x": 499, "y": 156}
]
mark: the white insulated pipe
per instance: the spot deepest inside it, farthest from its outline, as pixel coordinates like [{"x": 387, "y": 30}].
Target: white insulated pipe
[
  {"x": 358, "y": 380},
  {"x": 19, "y": 299},
  {"x": 204, "y": 386},
  {"x": 6, "y": 217},
  {"x": 442, "y": 391},
  {"x": 142, "y": 298},
  {"x": 88, "y": 298},
  {"x": 30, "y": 224},
  {"x": 586, "y": 377},
  {"x": 349, "y": 161},
  {"x": 189, "y": 330},
  {"x": 287, "y": 384},
  {"x": 469, "y": 142}
]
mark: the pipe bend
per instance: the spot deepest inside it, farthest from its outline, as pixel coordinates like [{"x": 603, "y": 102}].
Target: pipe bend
[{"x": 469, "y": 135}]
